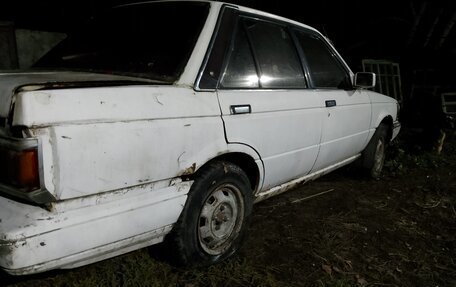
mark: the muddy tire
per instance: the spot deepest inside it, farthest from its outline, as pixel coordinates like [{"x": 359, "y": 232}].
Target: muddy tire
[
  {"x": 373, "y": 156},
  {"x": 214, "y": 220}
]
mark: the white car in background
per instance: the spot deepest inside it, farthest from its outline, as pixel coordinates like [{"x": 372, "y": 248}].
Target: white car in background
[{"x": 169, "y": 125}]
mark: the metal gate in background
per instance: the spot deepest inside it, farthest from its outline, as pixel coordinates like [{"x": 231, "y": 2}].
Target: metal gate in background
[{"x": 388, "y": 77}]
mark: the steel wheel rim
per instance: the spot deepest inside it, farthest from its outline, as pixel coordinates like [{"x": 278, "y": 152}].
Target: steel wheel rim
[{"x": 220, "y": 219}]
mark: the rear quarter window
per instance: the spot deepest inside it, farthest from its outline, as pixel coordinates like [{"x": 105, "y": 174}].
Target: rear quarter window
[{"x": 150, "y": 40}]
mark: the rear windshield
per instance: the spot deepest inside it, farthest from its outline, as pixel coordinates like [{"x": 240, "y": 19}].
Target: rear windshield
[{"x": 149, "y": 40}]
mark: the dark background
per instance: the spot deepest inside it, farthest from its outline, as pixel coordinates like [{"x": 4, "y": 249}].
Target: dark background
[
  {"x": 419, "y": 35},
  {"x": 422, "y": 33}
]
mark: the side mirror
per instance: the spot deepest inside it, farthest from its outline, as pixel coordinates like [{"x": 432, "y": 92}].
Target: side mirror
[{"x": 364, "y": 80}]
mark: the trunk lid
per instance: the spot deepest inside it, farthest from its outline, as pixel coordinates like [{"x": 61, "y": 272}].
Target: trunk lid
[{"x": 11, "y": 82}]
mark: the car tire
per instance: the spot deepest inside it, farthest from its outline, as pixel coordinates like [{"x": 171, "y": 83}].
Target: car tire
[
  {"x": 373, "y": 157},
  {"x": 214, "y": 220}
]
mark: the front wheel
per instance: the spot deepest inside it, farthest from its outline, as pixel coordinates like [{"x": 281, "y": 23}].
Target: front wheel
[
  {"x": 373, "y": 156},
  {"x": 214, "y": 219}
]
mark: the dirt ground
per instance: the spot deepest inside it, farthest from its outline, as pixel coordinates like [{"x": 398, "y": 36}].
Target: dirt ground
[{"x": 396, "y": 231}]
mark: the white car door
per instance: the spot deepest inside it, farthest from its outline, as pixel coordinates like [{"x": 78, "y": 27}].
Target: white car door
[
  {"x": 345, "y": 127},
  {"x": 347, "y": 112},
  {"x": 266, "y": 103}
]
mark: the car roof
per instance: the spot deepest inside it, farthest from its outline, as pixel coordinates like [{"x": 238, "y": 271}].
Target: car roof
[{"x": 217, "y": 5}]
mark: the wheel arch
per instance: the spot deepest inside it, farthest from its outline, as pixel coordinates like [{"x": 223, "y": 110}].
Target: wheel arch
[
  {"x": 384, "y": 111},
  {"x": 388, "y": 122},
  {"x": 244, "y": 161},
  {"x": 241, "y": 155}
]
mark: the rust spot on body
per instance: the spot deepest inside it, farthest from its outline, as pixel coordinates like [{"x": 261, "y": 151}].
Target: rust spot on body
[{"x": 190, "y": 170}]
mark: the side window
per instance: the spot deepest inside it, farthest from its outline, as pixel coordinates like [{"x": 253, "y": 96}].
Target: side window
[
  {"x": 240, "y": 71},
  {"x": 276, "y": 54},
  {"x": 325, "y": 70}
]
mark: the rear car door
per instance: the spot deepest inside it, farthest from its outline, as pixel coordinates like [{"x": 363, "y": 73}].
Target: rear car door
[{"x": 265, "y": 100}]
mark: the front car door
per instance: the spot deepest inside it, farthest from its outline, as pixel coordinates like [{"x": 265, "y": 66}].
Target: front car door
[{"x": 347, "y": 112}]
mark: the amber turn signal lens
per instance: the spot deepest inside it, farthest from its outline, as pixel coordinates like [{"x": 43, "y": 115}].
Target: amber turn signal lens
[
  {"x": 20, "y": 169},
  {"x": 28, "y": 175}
]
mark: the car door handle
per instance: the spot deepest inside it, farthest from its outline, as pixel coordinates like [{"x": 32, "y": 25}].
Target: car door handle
[
  {"x": 240, "y": 109},
  {"x": 330, "y": 103}
]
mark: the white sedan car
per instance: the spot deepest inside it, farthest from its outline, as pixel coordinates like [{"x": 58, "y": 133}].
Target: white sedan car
[{"x": 166, "y": 121}]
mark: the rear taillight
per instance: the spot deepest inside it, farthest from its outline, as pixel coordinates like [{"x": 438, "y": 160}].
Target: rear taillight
[{"x": 20, "y": 169}]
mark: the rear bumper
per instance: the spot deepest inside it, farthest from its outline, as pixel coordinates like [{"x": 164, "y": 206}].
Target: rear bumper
[{"x": 85, "y": 230}]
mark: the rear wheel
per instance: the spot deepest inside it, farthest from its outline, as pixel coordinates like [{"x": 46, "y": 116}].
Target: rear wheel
[
  {"x": 214, "y": 219},
  {"x": 373, "y": 156}
]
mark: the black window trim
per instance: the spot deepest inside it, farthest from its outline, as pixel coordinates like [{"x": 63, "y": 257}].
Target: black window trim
[
  {"x": 196, "y": 85},
  {"x": 241, "y": 21},
  {"x": 296, "y": 29},
  {"x": 302, "y": 58}
]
